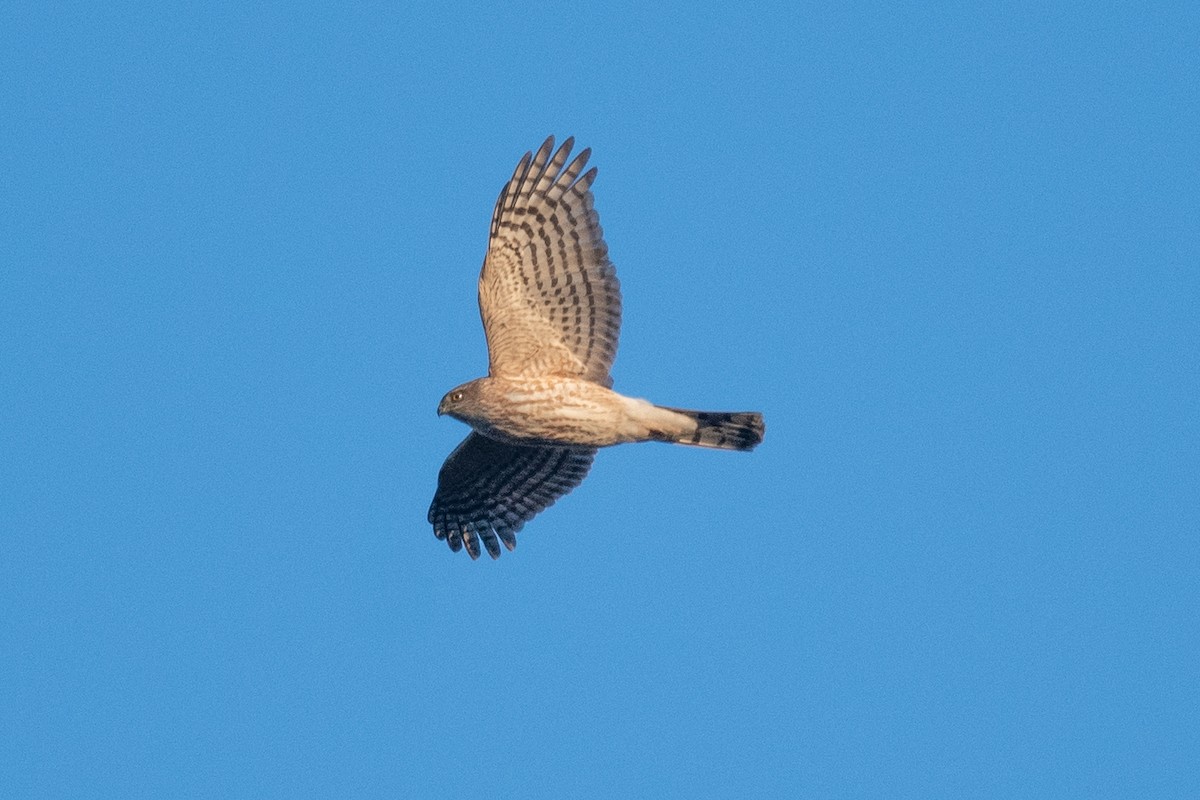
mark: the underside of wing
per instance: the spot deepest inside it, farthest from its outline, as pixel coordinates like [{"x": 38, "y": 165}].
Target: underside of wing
[
  {"x": 488, "y": 490},
  {"x": 548, "y": 295}
]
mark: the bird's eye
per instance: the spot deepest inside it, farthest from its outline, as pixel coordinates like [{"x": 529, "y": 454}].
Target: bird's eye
[{"x": 457, "y": 396}]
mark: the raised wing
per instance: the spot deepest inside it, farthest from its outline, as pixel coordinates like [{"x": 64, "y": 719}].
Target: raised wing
[
  {"x": 548, "y": 295},
  {"x": 487, "y": 490}
]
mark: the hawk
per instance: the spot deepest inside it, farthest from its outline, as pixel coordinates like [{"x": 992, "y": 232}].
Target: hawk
[{"x": 551, "y": 309}]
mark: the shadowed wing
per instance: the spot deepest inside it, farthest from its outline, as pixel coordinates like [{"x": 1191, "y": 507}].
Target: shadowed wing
[
  {"x": 548, "y": 295},
  {"x": 487, "y": 490}
]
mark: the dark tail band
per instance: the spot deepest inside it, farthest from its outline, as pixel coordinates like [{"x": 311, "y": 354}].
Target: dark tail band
[{"x": 726, "y": 430}]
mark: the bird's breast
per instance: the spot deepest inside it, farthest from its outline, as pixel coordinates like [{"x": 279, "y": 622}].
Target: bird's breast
[{"x": 559, "y": 411}]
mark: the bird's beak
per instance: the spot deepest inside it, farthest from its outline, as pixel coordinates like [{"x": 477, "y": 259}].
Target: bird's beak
[{"x": 441, "y": 408}]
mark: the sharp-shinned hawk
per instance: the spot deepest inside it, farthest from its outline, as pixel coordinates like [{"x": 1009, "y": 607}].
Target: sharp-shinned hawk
[{"x": 551, "y": 309}]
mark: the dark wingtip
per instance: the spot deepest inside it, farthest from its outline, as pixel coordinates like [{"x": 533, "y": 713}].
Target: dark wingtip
[{"x": 472, "y": 544}]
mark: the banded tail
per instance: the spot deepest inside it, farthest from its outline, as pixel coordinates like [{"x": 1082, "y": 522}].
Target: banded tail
[{"x": 725, "y": 430}]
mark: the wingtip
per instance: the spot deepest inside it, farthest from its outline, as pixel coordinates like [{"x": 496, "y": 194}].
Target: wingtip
[{"x": 544, "y": 151}]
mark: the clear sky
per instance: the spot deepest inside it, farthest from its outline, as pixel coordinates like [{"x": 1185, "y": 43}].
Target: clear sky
[{"x": 952, "y": 253}]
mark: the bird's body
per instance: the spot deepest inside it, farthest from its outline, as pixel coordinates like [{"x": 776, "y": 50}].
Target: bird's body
[
  {"x": 550, "y": 411},
  {"x": 566, "y": 412},
  {"x": 551, "y": 309}
]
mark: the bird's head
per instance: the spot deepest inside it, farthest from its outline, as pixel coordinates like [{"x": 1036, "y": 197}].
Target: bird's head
[{"x": 460, "y": 401}]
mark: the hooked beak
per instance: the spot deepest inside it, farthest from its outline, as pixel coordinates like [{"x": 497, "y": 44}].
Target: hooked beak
[{"x": 442, "y": 407}]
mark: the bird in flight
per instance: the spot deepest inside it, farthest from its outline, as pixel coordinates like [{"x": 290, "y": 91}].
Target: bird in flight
[{"x": 551, "y": 309}]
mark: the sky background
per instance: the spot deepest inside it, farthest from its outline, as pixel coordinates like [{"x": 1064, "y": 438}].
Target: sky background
[{"x": 951, "y": 253}]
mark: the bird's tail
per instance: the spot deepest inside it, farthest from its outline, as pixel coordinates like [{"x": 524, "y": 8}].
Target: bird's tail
[{"x": 726, "y": 430}]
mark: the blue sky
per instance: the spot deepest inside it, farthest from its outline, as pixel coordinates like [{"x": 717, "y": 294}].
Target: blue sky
[{"x": 950, "y": 252}]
